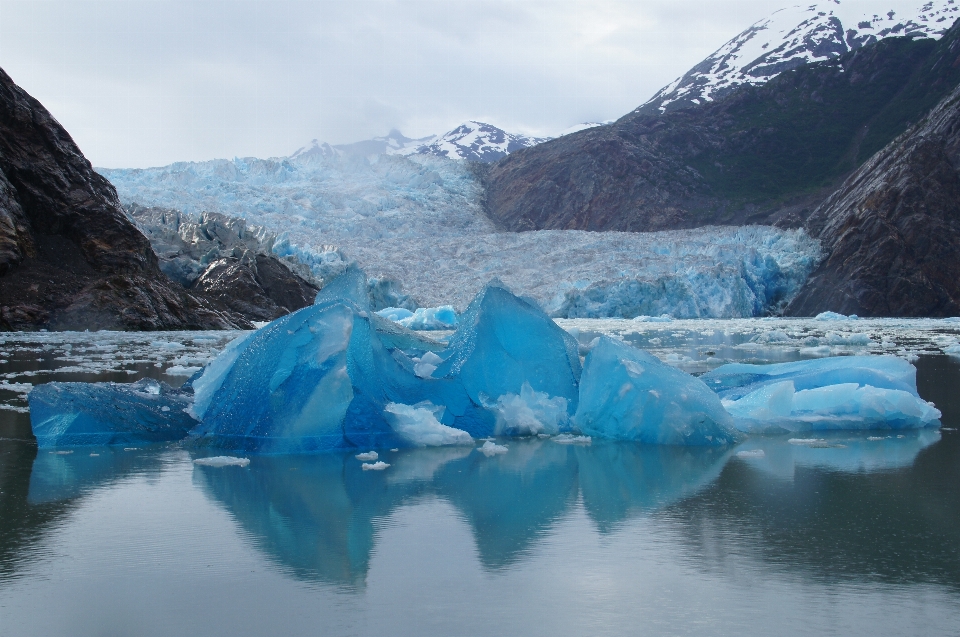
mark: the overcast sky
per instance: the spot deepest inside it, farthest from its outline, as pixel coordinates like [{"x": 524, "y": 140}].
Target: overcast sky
[{"x": 149, "y": 83}]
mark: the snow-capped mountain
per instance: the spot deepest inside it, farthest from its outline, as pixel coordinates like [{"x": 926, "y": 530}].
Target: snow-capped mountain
[
  {"x": 470, "y": 141},
  {"x": 799, "y": 35},
  {"x": 474, "y": 141}
]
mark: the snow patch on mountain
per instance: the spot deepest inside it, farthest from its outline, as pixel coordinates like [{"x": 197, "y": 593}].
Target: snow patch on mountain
[{"x": 799, "y": 35}]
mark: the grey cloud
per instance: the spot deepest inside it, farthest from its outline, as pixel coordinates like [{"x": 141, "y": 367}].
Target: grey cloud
[{"x": 149, "y": 83}]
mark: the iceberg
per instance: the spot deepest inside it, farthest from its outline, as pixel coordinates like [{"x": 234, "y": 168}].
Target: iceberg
[
  {"x": 627, "y": 394},
  {"x": 504, "y": 342},
  {"x": 316, "y": 380},
  {"x": 424, "y": 318},
  {"x": 81, "y": 414},
  {"x": 843, "y": 392}
]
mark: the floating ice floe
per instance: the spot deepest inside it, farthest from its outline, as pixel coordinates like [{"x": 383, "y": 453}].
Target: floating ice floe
[
  {"x": 367, "y": 456},
  {"x": 222, "y": 461},
  {"x": 376, "y": 466},
  {"x": 844, "y": 392},
  {"x": 491, "y": 448},
  {"x": 73, "y": 414},
  {"x": 834, "y": 316}
]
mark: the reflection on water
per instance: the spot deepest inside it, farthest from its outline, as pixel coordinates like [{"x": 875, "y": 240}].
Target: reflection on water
[{"x": 873, "y": 511}]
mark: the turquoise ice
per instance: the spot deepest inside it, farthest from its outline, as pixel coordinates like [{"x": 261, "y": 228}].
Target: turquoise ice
[
  {"x": 78, "y": 414},
  {"x": 627, "y": 394},
  {"x": 842, "y": 392}
]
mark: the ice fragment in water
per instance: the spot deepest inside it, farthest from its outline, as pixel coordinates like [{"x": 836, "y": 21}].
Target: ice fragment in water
[
  {"x": 627, "y": 394},
  {"x": 418, "y": 425},
  {"x": 833, "y": 316},
  {"x": 222, "y": 461},
  {"x": 369, "y": 455},
  {"x": 751, "y": 453},
  {"x": 376, "y": 466},
  {"x": 845, "y": 392},
  {"x": 490, "y": 448},
  {"x": 570, "y": 439},
  {"x": 74, "y": 414}
]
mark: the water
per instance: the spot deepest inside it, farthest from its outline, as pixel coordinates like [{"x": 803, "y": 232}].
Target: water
[{"x": 851, "y": 536}]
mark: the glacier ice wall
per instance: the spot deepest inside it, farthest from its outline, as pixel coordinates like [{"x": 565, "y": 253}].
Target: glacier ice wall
[{"x": 419, "y": 220}]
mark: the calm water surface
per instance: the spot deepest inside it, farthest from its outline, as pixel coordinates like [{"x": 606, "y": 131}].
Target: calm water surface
[{"x": 853, "y": 536}]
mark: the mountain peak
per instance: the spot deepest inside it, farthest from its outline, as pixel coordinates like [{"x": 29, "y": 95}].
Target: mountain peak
[{"x": 799, "y": 35}]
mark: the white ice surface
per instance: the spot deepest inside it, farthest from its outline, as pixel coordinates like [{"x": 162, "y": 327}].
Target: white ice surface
[
  {"x": 419, "y": 220},
  {"x": 222, "y": 461},
  {"x": 419, "y": 425}
]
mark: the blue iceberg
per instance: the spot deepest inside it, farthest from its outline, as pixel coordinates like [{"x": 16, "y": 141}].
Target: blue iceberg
[
  {"x": 627, "y": 394},
  {"x": 843, "y": 392},
  {"x": 80, "y": 414},
  {"x": 504, "y": 342}
]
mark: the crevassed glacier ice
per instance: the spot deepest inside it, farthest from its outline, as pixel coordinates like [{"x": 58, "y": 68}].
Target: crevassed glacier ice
[
  {"x": 387, "y": 213},
  {"x": 627, "y": 394},
  {"x": 75, "y": 414},
  {"x": 844, "y": 392}
]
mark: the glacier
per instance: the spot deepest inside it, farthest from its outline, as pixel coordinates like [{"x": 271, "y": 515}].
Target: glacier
[
  {"x": 844, "y": 392},
  {"x": 419, "y": 221}
]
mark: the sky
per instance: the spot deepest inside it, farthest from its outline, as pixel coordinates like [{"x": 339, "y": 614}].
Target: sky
[{"x": 145, "y": 83}]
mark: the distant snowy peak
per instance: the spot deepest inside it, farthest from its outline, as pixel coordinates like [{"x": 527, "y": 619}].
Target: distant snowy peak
[
  {"x": 799, "y": 35},
  {"x": 470, "y": 141},
  {"x": 475, "y": 141}
]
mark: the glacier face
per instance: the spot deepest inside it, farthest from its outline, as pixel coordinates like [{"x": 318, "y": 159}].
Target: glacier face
[
  {"x": 798, "y": 35},
  {"x": 418, "y": 220}
]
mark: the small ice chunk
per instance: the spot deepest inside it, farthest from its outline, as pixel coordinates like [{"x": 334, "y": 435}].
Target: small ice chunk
[
  {"x": 369, "y": 455},
  {"x": 222, "y": 461},
  {"x": 376, "y": 466},
  {"x": 834, "y": 316},
  {"x": 395, "y": 314},
  {"x": 571, "y": 439},
  {"x": 431, "y": 318},
  {"x": 807, "y": 441},
  {"x": 529, "y": 413},
  {"x": 427, "y": 364},
  {"x": 492, "y": 449},
  {"x": 751, "y": 453},
  {"x": 420, "y": 425}
]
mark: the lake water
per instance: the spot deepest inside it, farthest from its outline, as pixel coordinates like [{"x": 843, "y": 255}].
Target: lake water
[{"x": 858, "y": 534}]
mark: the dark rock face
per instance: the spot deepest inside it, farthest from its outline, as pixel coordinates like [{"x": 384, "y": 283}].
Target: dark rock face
[
  {"x": 892, "y": 231},
  {"x": 762, "y": 154},
  {"x": 261, "y": 290},
  {"x": 69, "y": 258}
]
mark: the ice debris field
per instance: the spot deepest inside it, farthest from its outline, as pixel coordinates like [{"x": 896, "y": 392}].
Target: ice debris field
[
  {"x": 337, "y": 376},
  {"x": 419, "y": 221}
]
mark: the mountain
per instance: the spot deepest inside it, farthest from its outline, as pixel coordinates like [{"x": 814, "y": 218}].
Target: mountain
[
  {"x": 766, "y": 153},
  {"x": 892, "y": 231},
  {"x": 69, "y": 257},
  {"x": 470, "y": 141},
  {"x": 799, "y": 35}
]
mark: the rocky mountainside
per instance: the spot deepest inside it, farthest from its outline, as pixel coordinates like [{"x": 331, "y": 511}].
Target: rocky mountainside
[
  {"x": 762, "y": 154},
  {"x": 225, "y": 259},
  {"x": 69, "y": 258},
  {"x": 892, "y": 231},
  {"x": 798, "y": 35}
]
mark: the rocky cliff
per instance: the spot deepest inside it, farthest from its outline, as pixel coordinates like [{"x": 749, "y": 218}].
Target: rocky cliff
[
  {"x": 69, "y": 258},
  {"x": 762, "y": 154},
  {"x": 892, "y": 231}
]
